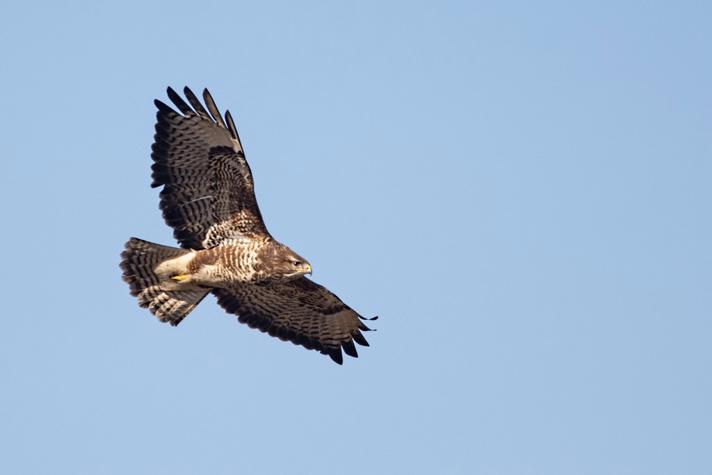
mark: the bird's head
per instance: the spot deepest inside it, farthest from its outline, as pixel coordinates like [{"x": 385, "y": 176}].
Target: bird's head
[{"x": 281, "y": 263}]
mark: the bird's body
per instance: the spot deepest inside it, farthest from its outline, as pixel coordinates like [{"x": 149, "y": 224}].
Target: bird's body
[
  {"x": 208, "y": 198},
  {"x": 233, "y": 263}
]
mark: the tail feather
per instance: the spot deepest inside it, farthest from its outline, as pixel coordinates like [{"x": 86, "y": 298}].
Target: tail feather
[{"x": 167, "y": 301}]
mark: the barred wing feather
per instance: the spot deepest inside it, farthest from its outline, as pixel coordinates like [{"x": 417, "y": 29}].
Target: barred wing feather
[
  {"x": 300, "y": 311},
  {"x": 208, "y": 192}
]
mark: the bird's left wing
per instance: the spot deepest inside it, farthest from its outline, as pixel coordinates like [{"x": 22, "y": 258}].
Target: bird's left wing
[
  {"x": 208, "y": 193},
  {"x": 300, "y": 311}
]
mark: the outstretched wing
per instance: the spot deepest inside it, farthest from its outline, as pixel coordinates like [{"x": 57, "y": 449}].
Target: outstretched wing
[
  {"x": 208, "y": 193},
  {"x": 299, "y": 311}
]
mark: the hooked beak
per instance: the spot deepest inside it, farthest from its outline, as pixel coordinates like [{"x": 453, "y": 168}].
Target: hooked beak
[{"x": 308, "y": 269}]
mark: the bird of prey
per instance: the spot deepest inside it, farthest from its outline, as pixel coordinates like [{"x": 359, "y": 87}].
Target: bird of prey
[{"x": 208, "y": 199}]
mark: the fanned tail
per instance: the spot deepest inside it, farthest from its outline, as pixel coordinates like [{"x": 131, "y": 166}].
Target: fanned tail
[{"x": 165, "y": 299}]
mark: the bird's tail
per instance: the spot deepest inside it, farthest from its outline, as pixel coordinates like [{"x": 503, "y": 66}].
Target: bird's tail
[{"x": 167, "y": 299}]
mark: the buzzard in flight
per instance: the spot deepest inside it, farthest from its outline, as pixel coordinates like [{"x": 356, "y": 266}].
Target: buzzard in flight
[{"x": 208, "y": 199}]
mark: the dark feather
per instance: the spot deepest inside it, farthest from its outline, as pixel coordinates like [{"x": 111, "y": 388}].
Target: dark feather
[
  {"x": 195, "y": 102},
  {"x": 350, "y": 349},
  {"x": 335, "y": 354},
  {"x": 214, "y": 111},
  {"x": 163, "y": 108},
  {"x": 231, "y": 127},
  {"x": 359, "y": 338},
  {"x": 179, "y": 102}
]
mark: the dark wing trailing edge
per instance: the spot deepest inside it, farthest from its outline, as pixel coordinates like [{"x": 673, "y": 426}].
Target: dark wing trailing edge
[
  {"x": 300, "y": 311},
  {"x": 208, "y": 192}
]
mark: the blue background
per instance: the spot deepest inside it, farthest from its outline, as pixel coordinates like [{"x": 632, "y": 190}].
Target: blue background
[{"x": 521, "y": 191}]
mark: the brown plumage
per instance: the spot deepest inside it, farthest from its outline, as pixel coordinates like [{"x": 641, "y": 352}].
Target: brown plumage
[{"x": 208, "y": 199}]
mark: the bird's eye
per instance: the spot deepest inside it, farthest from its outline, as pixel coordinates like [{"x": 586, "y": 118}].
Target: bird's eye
[{"x": 295, "y": 263}]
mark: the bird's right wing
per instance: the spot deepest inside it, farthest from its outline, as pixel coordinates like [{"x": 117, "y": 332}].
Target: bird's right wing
[{"x": 208, "y": 192}]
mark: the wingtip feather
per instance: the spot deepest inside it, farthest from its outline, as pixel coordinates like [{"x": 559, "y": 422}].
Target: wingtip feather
[
  {"x": 335, "y": 354},
  {"x": 350, "y": 348},
  {"x": 231, "y": 125},
  {"x": 213, "y": 108},
  {"x": 195, "y": 102},
  {"x": 178, "y": 101},
  {"x": 360, "y": 339},
  {"x": 163, "y": 107}
]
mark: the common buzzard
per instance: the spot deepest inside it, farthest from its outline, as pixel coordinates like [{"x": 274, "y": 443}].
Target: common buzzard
[{"x": 208, "y": 199}]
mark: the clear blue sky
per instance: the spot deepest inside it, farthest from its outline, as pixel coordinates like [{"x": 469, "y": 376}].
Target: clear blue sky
[{"x": 520, "y": 190}]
